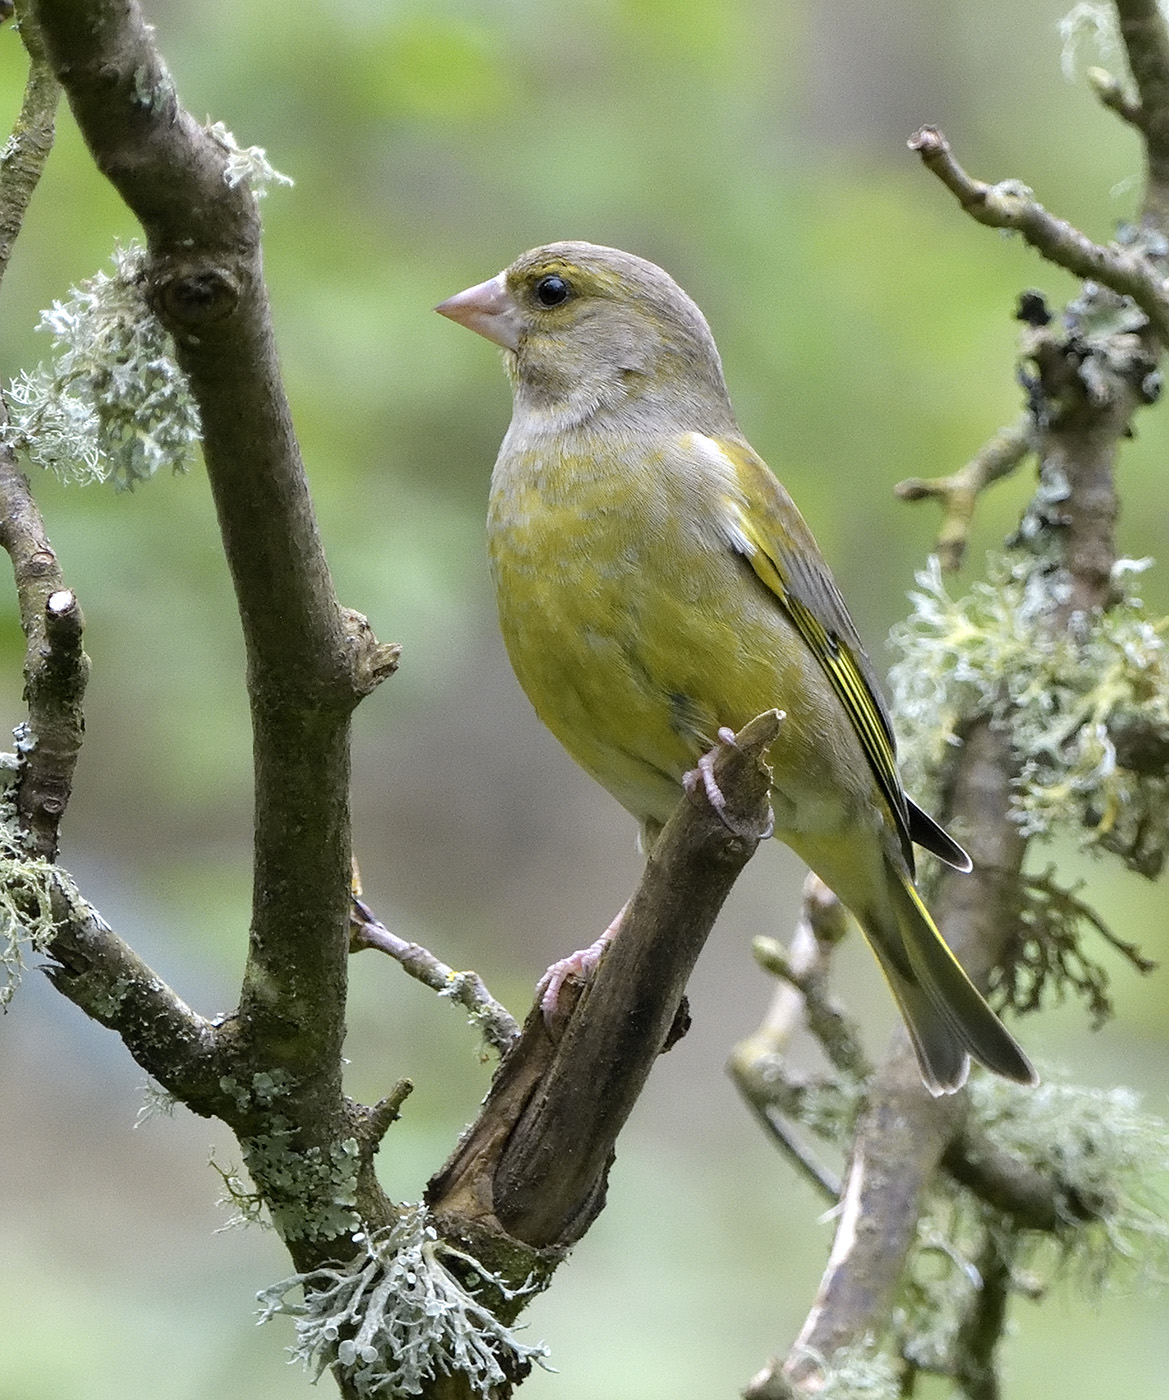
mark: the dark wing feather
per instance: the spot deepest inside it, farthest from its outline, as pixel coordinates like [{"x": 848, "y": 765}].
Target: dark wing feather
[{"x": 788, "y": 561}]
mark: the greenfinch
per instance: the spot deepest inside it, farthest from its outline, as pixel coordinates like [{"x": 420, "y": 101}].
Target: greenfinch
[{"x": 656, "y": 584}]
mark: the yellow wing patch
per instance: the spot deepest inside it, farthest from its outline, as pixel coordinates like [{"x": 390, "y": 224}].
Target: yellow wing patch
[{"x": 839, "y": 664}]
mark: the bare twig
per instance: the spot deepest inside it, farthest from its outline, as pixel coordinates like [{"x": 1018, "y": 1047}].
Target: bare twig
[
  {"x": 958, "y": 493},
  {"x": 467, "y": 989},
  {"x": 1009, "y": 205},
  {"x": 758, "y": 1063},
  {"x": 1146, "y": 43}
]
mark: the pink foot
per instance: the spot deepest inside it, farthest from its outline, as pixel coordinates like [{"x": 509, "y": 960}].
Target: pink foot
[
  {"x": 704, "y": 773},
  {"x": 581, "y": 964}
]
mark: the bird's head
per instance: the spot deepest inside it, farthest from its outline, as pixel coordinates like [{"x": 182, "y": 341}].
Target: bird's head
[{"x": 591, "y": 329}]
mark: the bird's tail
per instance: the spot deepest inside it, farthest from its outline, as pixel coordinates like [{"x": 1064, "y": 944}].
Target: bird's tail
[{"x": 946, "y": 1016}]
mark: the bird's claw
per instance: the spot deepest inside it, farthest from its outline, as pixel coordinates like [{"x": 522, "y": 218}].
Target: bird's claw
[
  {"x": 581, "y": 964},
  {"x": 704, "y": 773}
]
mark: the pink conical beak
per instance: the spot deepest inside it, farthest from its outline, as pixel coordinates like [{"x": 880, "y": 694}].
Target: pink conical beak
[{"x": 488, "y": 309}]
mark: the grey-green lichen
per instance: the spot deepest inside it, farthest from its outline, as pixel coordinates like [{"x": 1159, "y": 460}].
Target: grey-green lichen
[
  {"x": 111, "y": 404},
  {"x": 26, "y": 884},
  {"x": 1104, "y": 1154},
  {"x": 860, "y": 1372},
  {"x": 310, "y": 1192},
  {"x": 246, "y": 165},
  {"x": 402, "y": 1312},
  {"x": 1092, "y": 26},
  {"x": 1105, "y": 1160},
  {"x": 1087, "y": 718}
]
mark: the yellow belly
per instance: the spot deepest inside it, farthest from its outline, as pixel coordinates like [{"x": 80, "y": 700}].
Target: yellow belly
[{"x": 636, "y": 638}]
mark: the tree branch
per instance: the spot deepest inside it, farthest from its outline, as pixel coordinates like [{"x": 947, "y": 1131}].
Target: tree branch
[
  {"x": 1009, "y": 205},
  {"x": 465, "y": 989},
  {"x": 110, "y": 983},
  {"x": 32, "y": 137},
  {"x": 1146, "y": 42},
  {"x": 309, "y": 662},
  {"x": 537, "y": 1159},
  {"x": 1082, "y": 398},
  {"x": 958, "y": 493}
]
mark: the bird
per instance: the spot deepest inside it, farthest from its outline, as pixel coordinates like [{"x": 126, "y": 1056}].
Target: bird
[{"x": 656, "y": 586}]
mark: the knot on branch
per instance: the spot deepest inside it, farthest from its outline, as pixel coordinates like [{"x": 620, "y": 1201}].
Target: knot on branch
[
  {"x": 372, "y": 661},
  {"x": 195, "y": 298}
]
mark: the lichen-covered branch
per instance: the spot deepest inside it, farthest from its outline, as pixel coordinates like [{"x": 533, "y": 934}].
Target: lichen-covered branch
[
  {"x": 102, "y": 975},
  {"x": 1086, "y": 377},
  {"x": 465, "y": 989},
  {"x": 31, "y": 140},
  {"x": 309, "y": 661}
]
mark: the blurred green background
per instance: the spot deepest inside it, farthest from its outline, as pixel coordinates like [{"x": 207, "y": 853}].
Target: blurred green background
[{"x": 758, "y": 151}]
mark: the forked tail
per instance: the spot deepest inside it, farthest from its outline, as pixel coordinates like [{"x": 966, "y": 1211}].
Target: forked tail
[{"x": 947, "y": 1018}]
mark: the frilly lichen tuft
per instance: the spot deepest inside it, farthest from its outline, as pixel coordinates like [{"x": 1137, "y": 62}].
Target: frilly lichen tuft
[
  {"x": 1071, "y": 706},
  {"x": 401, "y": 1314},
  {"x": 1092, "y": 26},
  {"x": 1105, "y": 1155},
  {"x": 1105, "y": 1160},
  {"x": 860, "y": 1372},
  {"x": 112, "y": 404},
  {"x": 246, "y": 165}
]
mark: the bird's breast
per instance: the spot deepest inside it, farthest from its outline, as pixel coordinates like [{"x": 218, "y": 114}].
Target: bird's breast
[{"x": 637, "y": 631}]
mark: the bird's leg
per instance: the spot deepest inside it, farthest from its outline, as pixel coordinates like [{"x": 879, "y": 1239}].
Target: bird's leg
[
  {"x": 704, "y": 773},
  {"x": 580, "y": 964}
]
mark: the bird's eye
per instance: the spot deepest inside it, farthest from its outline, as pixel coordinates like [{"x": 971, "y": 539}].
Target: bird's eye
[{"x": 552, "y": 290}]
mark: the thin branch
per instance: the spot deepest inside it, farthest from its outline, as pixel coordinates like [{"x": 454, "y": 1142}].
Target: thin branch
[
  {"x": 1009, "y": 205},
  {"x": 982, "y": 1327},
  {"x": 537, "y": 1158},
  {"x": 102, "y": 975},
  {"x": 1116, "y": 97},
  {"x": 31, "y": 140},
  {"x": 467, "y": 989},
  {"x": 1146, "y": 42},
  {"x": 55, "y": 667},
  {"x": 758, "y": 1063},
  {"x": 958, "y": 493},
  {"x": 794, "y": 1149},
  {"x": 903, "y": 1133},
  {"x": 1030, "y": 1198}
]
